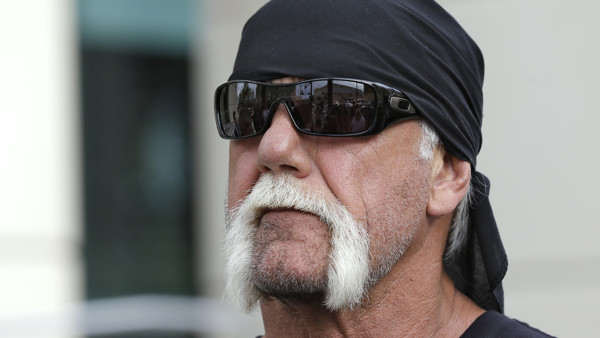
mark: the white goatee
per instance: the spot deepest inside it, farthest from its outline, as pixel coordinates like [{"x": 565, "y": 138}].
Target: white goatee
[{"x": 348, "y": 270}]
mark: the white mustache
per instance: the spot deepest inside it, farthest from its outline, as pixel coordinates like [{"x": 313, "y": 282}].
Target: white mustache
[
  {"x": 271, "y": 192},
  {"x": 348, "y": 271}
]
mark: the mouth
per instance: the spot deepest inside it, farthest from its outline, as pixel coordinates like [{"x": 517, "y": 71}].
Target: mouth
[
  {"x": 290, "y": 211},
  {"x": 265, "y": 211}
]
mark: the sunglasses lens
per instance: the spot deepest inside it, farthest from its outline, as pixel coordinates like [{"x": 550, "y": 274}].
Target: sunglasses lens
[
  {"x": 342, "y": 108},
  {"x": 237, "y": 107},
  {"x": 322, "y": 107}
]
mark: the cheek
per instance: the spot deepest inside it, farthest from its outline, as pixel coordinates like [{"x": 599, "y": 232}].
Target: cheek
[
  {"x": 243, "y": 171},
  {"x": 362, "y": 177},
  {"x": 400, "y": 198},
  {"x": 392, "y": 192},
  {"x": 344, "y": 177},
  {"x": 396, "y": 206},
  {"x": 396, "y": 180}
]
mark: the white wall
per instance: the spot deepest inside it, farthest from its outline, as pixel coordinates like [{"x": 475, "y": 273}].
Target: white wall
[
  {"x": 539, "y": 147},
  {"x": 539, "y": 150},
  {"x": 39, "y": 176},
  {"x": 222, "y": 26}
]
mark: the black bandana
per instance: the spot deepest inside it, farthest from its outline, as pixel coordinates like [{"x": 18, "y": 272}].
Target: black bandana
[{"x": 414, "y": 46}]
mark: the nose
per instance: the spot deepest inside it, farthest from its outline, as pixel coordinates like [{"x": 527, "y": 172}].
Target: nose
[{"x": 282, "y": 149}]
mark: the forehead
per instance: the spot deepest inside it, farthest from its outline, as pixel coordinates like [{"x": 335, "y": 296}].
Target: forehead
[{"x": 287, "y": 79}]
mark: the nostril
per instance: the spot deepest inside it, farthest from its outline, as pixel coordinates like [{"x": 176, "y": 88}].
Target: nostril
[{"x": 288, "y": 168}]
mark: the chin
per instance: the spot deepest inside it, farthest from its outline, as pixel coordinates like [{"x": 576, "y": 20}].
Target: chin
[
  {"x": 308, "y": 247},
  {"x": 291, "y": 292},
  {"x": 287, "y": 271}
]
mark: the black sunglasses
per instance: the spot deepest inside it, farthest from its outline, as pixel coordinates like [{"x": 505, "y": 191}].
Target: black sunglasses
[{"x": 321, "y": 107}]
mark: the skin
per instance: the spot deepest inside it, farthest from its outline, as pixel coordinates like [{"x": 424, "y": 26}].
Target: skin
[{"x": 401, "y": 199}]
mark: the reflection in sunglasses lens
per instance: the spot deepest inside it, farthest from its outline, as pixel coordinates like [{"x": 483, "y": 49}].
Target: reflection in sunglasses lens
[{"x": 327, "y": 107}]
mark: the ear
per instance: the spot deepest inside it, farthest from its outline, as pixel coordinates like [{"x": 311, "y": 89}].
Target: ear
[{"x": 450, "y": 181}]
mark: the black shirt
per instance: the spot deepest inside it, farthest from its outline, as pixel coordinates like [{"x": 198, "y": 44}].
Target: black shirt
[{"x": 496, "y": 325}]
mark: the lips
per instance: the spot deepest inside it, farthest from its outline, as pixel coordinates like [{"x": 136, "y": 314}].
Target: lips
[
  {"x": 287, "y": 216},
  {"x": 290, "y": 212},
  {"x": 284, "y": 210}
]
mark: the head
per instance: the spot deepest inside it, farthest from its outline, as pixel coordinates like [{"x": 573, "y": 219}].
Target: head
[{"x": 319, "y": 218}]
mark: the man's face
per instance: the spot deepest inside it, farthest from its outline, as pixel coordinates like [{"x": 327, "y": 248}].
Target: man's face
[{"x": 380, "y": 181}]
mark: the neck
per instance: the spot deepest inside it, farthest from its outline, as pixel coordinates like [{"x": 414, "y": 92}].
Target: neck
[{"x": 416, "y": 298}]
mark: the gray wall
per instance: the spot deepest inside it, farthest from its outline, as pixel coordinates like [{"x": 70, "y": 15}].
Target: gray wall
[{"x": 540, "y": 151}]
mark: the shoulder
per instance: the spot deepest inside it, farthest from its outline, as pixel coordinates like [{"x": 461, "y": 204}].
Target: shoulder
[{"x": 494, "y": 324}]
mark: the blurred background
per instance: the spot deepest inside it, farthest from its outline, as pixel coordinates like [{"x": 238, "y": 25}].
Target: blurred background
[{"x": 112, "y": 174}]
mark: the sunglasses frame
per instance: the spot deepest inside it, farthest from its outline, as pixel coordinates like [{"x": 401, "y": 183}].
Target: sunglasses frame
[{"x": 391, "y": 105}]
